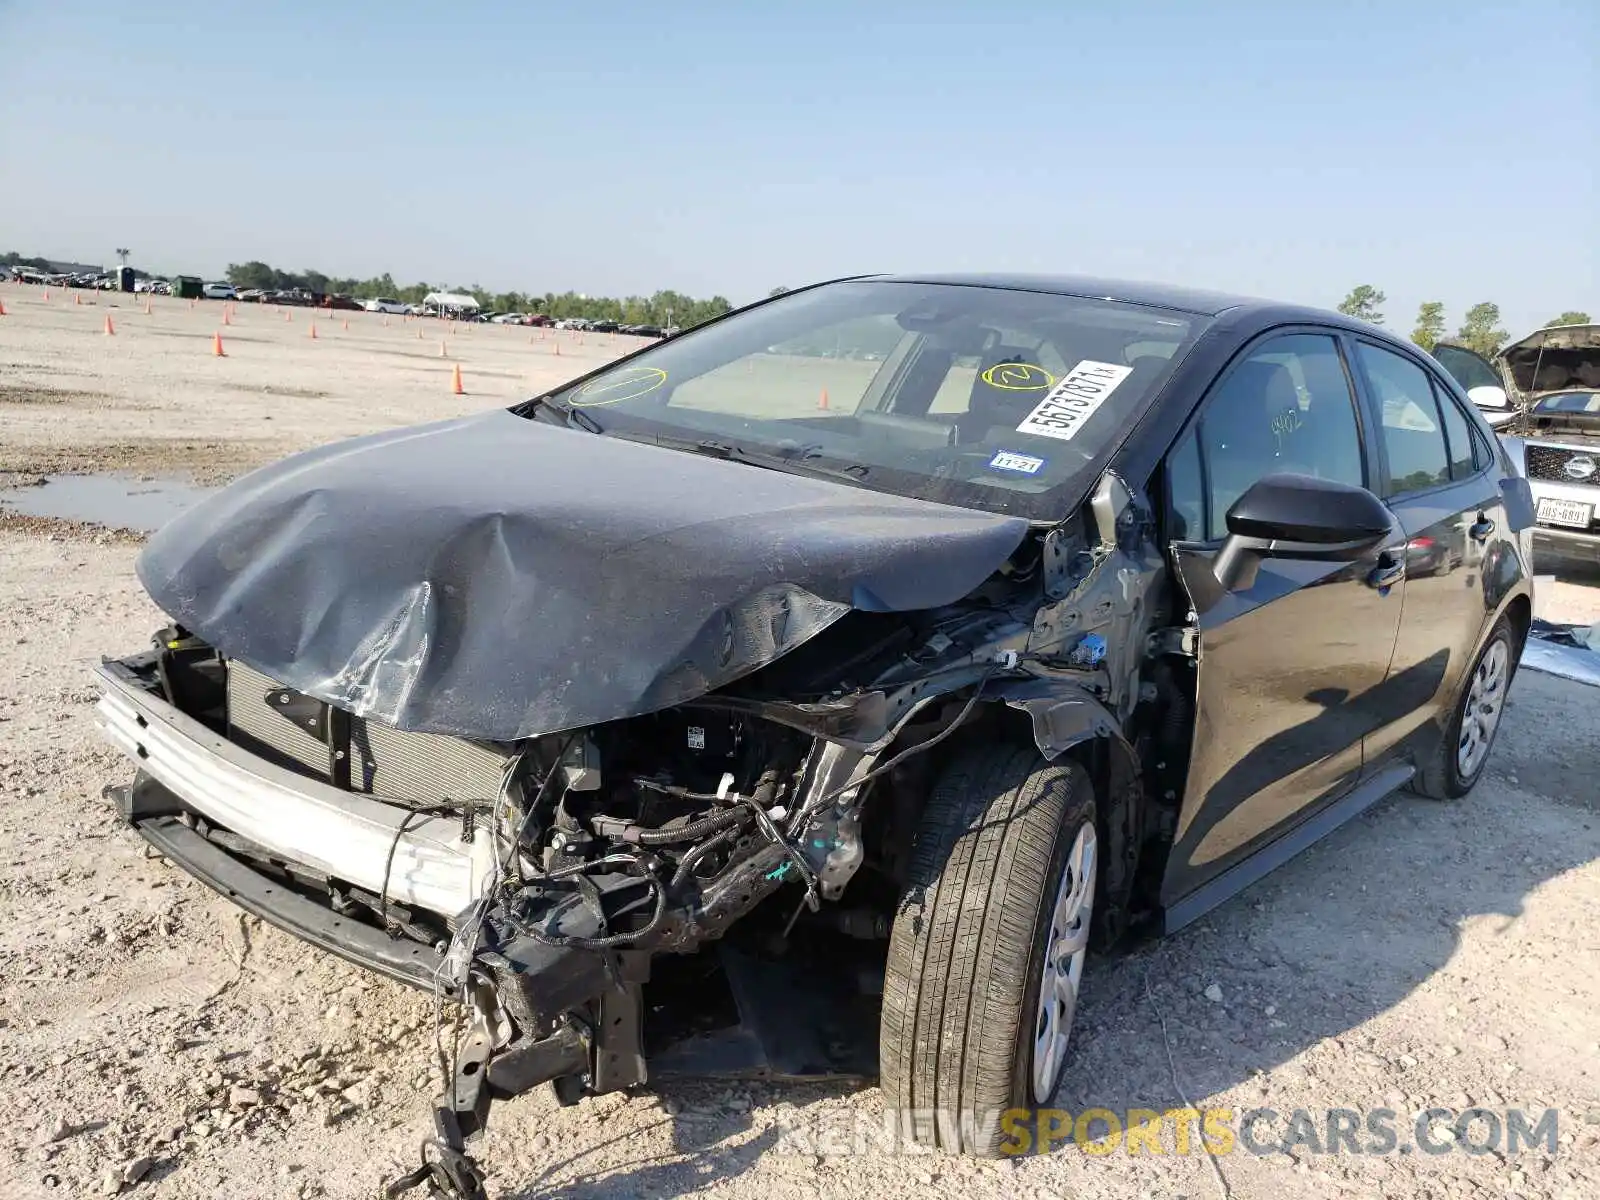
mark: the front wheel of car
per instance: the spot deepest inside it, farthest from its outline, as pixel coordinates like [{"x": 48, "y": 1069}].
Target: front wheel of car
[
  {"x": 987, "y": 951},
  {"x": 1463, "y": 752}
]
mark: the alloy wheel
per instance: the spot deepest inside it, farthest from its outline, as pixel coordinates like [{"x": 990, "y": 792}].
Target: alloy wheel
[
  {"x": 1481, "y": 715},
  {"x": 1065, "y": 951}
]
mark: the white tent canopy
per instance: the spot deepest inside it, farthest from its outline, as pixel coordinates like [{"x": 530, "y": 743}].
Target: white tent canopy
[{"x": 449, "y": 300}]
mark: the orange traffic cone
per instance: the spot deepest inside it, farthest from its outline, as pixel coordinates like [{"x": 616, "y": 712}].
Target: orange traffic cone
[
  {"x": 312, "y": 329},
  {"x": 47, "y": 295},
  {"x": 419, "y": 333},
  {"x": 2, "y": 308},
  {"x": 287, "y": 315},
  {"x": 556, "y": 346},
  {"x": 226, "y": 319},
  {"x": 216, "y": 345},
  {"x": 147, "y": 306},
  {"x": 110, "y": 328},
  {"x": 455, "y": 381},
  {"x": 822, "y": 401},
  {"x": 346, "y": 324},
  {"x": 77, "y": 299}
]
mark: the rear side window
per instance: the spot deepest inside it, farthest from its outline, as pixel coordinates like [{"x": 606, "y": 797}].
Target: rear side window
[
  {"x": 1466, "y": 456},
  {"x": 1408, "y": 419},
  {"x": 1286, "y": 408}
]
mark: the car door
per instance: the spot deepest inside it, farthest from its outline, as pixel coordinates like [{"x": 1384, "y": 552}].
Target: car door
[
  {"x": 1435, "y": 474},
  {"x": 1287, "y": 667}
]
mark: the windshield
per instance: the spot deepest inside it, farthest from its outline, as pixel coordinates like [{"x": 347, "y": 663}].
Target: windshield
[
  {"x": 1569, "y": 402},
  {"x": 984, "y": 397}
]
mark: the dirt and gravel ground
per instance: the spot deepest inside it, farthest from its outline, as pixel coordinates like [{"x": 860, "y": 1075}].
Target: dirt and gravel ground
[{"x": 153, "y": 1040}]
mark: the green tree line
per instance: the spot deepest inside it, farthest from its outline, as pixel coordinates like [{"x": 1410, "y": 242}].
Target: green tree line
[
  {"x": 657, "y": 309},
  {"x": 1480, "y": 325}
]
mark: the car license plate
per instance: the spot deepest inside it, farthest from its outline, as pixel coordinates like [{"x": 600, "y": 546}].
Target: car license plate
[{"x": 1572, "y": 513}]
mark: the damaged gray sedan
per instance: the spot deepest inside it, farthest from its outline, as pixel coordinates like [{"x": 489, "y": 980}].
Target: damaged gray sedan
[{"x": 807, "y": 694}]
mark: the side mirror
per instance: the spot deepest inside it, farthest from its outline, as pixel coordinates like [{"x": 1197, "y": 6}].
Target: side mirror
[
  {"x": 1489, "y": 396},
  {"x": 1300, "y": 517}
]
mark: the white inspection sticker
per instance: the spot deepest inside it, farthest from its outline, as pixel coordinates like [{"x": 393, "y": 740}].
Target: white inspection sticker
[
  {"x": 1010, "y": 460},
  {"x": 1069, "y": 405}
]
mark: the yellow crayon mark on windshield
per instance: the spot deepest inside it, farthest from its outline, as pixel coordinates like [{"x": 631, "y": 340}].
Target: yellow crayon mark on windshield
[
  {"x": 627, "y": 384},
  {"x": 1018, "y": 377}
]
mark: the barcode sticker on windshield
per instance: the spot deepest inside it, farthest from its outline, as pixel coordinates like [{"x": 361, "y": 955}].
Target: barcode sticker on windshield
[{"x": 1070, "y": 404}]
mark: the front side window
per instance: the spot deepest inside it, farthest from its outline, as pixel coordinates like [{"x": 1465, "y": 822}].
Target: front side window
[
  {"x": 1286, "y": 408},
  {"x": 998, "y": 399},
  {"x": 1408, "y": 419}
]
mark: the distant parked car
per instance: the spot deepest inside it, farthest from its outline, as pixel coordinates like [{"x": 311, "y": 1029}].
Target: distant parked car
[
  {"x": 603, "y": 326},
  {"x": 384, "y": 304},
  {"x": 1542, "y": 394},
  {"x": 340, "y": 301},
  {"x": 251, "y": 295},
  {"x": 219, "y": 291},
  {"x": 1483, "y": 382}
]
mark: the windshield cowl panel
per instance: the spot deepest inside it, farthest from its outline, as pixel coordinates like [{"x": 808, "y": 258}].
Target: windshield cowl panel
[{"x": 1006, "y": 401}]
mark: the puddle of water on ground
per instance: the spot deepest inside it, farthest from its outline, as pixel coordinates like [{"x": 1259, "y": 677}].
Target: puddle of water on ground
[{"x": 115, "y": 501}]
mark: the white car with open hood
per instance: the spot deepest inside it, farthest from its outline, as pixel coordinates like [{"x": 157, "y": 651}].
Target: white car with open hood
[{"x": 1548, "y": 414}]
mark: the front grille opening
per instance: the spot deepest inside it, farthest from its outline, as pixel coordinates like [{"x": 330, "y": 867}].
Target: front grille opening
[{"x": 1550, "y": 462}]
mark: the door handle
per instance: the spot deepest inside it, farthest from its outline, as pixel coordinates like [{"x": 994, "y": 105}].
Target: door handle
[
  {"x": 1480, "y": 531},
  {"x": 1390, "y": 570}
]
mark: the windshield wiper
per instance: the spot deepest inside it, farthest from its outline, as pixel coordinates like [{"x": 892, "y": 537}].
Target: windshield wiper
[
  {"x": 569, "y": 416},
  {"x": 796, "y": 461}
]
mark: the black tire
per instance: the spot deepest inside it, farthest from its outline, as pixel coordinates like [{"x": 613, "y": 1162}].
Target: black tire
[
  {"x": 966, "y": 954},
  {"x": 1440, "y": 777}
]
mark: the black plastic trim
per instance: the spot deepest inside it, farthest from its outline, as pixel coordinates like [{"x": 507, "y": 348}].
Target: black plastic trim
[{"x": 399, "y": 959}]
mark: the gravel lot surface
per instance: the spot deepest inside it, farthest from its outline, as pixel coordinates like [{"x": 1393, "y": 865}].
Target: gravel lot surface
[{"x": 155, "y": 1041}]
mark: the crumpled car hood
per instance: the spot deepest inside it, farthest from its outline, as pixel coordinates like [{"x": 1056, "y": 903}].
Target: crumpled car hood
[
  {"x": 1558, "y": 359},
  {"x": 499, "y": 577}
]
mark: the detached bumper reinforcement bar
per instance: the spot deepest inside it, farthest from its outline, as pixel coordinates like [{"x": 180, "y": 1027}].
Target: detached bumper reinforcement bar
[
  {"x": 398, "y": 958},
  {"x": 379, "y": 847}
]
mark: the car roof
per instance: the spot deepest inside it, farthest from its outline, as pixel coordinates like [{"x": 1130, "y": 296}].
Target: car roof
[
  {"x": 1158, "y": 295},
  {"x": 1249, "y": 312}
]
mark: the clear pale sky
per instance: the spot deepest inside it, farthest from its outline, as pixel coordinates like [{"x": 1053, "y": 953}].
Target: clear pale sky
[{"x": 1437, "y": 150}]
